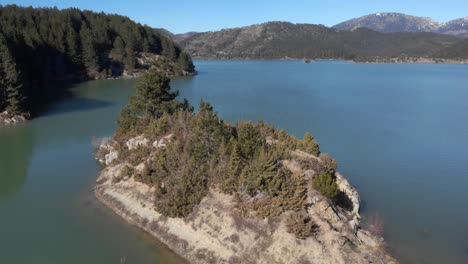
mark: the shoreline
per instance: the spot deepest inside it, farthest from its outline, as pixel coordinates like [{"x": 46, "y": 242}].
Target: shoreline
[
  {"x": 216, "y": 232},
  {"x": 376, "y": 61},
  {"x": 8, "y": 119}
]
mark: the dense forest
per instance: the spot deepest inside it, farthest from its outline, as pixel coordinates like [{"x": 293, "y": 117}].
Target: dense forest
[
  {"x": 282, "y": 40},
  {"x": 38, "y": 45}
]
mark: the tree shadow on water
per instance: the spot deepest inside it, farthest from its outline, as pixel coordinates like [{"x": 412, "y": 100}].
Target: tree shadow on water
[
  {"x": 75, "y": 104},
  {"x": 17, "y": 145},
  {"x": 59, "y": 100}
]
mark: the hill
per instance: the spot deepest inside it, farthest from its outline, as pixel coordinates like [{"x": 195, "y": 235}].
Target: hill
[
  {"x": 45, "y": 44},
  {"x": 457, "y": 27},
  {"x": 282, "y": 40}
]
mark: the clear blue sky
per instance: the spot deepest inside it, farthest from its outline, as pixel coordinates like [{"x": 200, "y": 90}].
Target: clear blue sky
[{"x": 181, "y": 16}]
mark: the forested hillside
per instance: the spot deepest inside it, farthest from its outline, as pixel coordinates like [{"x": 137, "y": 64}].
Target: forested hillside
[
  {"x": 40, "y": 45},
  {"x": 282, "y": 40}
]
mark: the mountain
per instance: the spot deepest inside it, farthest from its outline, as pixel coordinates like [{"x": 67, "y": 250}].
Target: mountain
[
  {"x": 280, "y": 40},
  {"x": 457, "y": 27},
  {"x": 38, "y": 45},
  {"x": 180, "y": 37},
  {"x": 176, "y": 37},
  {"x": 390, "y": 22},
  {"x": 396, "y": 22}
]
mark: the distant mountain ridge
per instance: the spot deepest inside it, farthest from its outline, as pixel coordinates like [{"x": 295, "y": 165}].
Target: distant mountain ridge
[
  {"x": 284, "y": 40},
  {"x": 397, "y": 22},
  {"x": 176, "y": 37}
]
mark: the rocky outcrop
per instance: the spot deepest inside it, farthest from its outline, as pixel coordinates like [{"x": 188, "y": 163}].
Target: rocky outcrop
[
  {"x": 145, "y": 62},
  {"x": 10, "y": 119},
  {"x": 217, "y": 232},
  {"x": 136, "y": 142}
]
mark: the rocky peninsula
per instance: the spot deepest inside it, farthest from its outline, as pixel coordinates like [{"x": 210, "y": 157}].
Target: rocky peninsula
[{"x": 220, "y": 193}]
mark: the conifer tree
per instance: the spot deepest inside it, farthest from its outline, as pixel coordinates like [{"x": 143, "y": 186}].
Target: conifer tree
[
  {"x": 90, "y": 56},
  {"x": 234, "y": 169},
  {"x": 309, "y": 145},
  {"x": 11, "y": 94}
]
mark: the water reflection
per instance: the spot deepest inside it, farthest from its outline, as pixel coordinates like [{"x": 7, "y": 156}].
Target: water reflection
[{"x": 16, "y": 145}]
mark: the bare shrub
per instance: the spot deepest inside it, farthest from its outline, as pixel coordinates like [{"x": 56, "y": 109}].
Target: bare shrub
[
  {"x": 300, "y": 224},
  {"x": 329, "y": 163}
]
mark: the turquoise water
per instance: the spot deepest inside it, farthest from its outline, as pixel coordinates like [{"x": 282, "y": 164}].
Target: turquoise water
[{"x": 398, "y": 131}]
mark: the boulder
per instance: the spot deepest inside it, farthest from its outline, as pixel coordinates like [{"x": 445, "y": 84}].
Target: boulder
[
  {"x": 110, "y": 157},
  {"x": 135, "y": 142}
]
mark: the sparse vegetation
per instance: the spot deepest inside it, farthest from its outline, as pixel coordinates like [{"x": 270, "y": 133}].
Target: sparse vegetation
[
  {"x": 300, "y": 224},
  {"x": 246, "y": 160}
]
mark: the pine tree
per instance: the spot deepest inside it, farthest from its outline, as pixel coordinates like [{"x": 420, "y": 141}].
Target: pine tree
[
  {"x": 185, "y": 62},
  {"x": 234, "y": 169},
  {"x": 90, "y": 56},
  {"x": 73, "y": 46},
  {"x": 153, "y": 98},
  {"x": 309, "y": 145},
  {"x": 118, "y": 51},
  {"x": 11, "y": 95},
  {"x": 325, "y": 183}
]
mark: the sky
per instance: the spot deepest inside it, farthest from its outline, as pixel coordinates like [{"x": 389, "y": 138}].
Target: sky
[{"x": 180, "y": 16}]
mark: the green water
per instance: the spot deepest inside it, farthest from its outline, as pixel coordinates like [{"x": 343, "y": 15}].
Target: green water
[
  {"x": 398, "y": 131},
  {"x": 48, "y": 213}
]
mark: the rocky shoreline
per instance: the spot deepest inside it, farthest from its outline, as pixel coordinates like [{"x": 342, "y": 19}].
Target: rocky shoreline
[
  {"x": 216, "y": 232},
  {"x": 9, "y": 119}
]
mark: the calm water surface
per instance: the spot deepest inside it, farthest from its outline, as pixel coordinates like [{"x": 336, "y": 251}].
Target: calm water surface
[
  {"x": 398, "y": 131},
  {"x": 48, "y": 213}
]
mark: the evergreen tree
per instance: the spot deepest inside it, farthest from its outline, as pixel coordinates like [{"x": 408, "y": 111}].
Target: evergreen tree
[
  {"x": 262, "y": 175},
  {"x": 90, "y": 56},
  {"x": 153, "y": 98},
  {"x": 309, "y": 145},
  {"x": 325, "y": 183},
  {"x": 11, "y": 94},
  {"x": 45, "y": 42},
  {"x": 73, "y": 46},
  {"x": 118, "y": 51},
  {"x": 185, "y": 62},
  {"x": 234, "y": 169}
]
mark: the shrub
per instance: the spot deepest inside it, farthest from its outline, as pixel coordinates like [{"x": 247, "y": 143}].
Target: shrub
[
  {"x": 179, "y": 195},
  {"x": 261, "y": 175},
  {"x": 329, "y": 164},
  {"x": 300, "y": 224},
  {"x": 249, "y": 139},
  {"x": 325, "y": 183},
  {"x": 290, "y": 195},
  {"x": 309, "y": 145}
]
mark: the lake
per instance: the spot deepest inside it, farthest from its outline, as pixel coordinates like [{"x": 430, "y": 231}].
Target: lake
[{"x": 398, "y": 131}]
